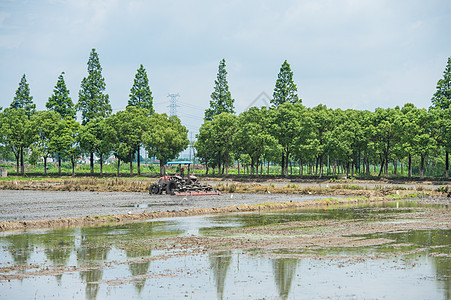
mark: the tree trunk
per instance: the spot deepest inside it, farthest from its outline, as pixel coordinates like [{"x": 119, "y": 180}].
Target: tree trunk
[
  {"x": 422, "y": 167},
  {"x": 382, "y": 168},
  {"x": 320, "y": 166},
  {"x": 101, "y": 163},
  {"x": 447, "y": 164},
  {"x": 45, "y": 165},
  {"x": 268, "y": 167},
  {"x": 410, "y": 165},
  {"x": 17, "y": 162},
  {"x": 395, "y": 166},
  {"x": 291, "y": 168},
  {"x": 316, "y": 166},
  {"x": 162, "y": 168},
  {"x": 238, "y": 167},
  {"x": 92, "y": 162},
  {"x": 335, "y": 167},
  {"x": 283, "y": 164},
  {"x": 72, "y": 160},
  {"x": 22, "y": 165},
  {"x": 131, "y": 163},
  {"x": 118, "y": 166},
  {"x": 59, "y": 165},
  {"x": 287, "y": 158},
  {"x": 139, "y": 162}
]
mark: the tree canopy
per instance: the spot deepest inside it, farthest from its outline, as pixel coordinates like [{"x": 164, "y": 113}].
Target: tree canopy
[
  {"x": 23, "y": 99},
  {"x": 60, "y": 101},
  {"x": 140, "y": 94},
  {"x": 285, "y": 89},
  {"x": 221, "y": 99},
  {"x": 92, "y": 102},
  {"x": 166, "y": 138}
]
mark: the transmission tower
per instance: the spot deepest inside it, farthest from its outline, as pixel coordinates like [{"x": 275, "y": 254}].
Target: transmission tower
[{"x": 173, "y": 105}]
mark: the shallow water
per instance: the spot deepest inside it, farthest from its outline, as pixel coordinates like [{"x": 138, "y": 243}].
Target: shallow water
[{"x": 123, "y": 262}]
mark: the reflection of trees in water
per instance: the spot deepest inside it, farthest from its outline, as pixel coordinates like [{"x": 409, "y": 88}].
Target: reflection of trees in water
[
  {"x": 432, "y": 238},
  {"x": 93, "y": 251},
  {"x": 21, "y": 246},
  {"x": 90, "y": 277},
  {"x": 58, "y": 247},
  {"x": 443, "y": 271},
  {"x": 219, "y": 264},
  {"x": 284, "y": 270},
  {"x": 139, "y": 268}
]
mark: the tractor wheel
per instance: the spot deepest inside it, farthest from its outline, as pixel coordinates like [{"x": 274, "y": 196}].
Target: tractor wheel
[
  {"x": 171, "y": 187},
  {"x": 154, "y": 189}
]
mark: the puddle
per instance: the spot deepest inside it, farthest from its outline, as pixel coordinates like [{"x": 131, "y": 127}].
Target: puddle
[{"x": 150, "y": 260}]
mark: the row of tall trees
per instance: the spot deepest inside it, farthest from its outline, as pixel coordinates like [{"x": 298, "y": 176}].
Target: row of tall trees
[
  {"x": 56, "y": 133},
  {"x": 351, "y": 139}
]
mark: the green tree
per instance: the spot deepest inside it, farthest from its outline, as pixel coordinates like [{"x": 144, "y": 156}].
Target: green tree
[
  {"x": 18, "y": 134},
  {"x": 442, "y": 100},
  {"x": 92, "y": 102},
  {"x": 64, "y": 140},
  {"x": 216, "y": 140},
  {"x": 285, "y": 90},
  {"x": 384, "y": 134},
  {"x": 203, "y": 145},
  {"x": 140, "y": 94},
  {"x": 442, "y": 97},
  {"x": 285, "y": 127},
  {"x": 94, "y": 139},
  {"x": 45, "y": 123},
  {"x": 129, "y": 126},
  {"x": 23, "y": 99},
  {"x": 60, "y": 100},
  {"x": 166, "y": 138},
  {"x": 253, "y": 137},
  {"x": 221, "y": 99}
]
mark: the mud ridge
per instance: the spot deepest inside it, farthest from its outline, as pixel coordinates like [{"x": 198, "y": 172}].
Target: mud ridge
[{"x": 125, "y": 218}]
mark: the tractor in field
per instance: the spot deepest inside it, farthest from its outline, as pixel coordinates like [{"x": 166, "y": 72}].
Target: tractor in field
[{"x": 181, "y": 185}]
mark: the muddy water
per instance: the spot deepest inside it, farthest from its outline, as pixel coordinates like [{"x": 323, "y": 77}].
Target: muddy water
[{"x": 227, "y": 257}]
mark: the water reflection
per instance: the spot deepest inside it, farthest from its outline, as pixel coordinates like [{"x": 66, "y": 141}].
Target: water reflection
[
  {"x": 284, "y": 272},
  {"x": 219, "y": 264},
  {"x": 127, "y": 251}
]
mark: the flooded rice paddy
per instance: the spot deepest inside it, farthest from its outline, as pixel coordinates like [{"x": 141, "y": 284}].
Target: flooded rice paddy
[{"x": 394, "y": 250}]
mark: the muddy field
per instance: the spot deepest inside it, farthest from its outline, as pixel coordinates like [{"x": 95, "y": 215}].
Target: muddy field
[
  {"x": 397, "y": 249},
  {"x": 25, "y": 205}
]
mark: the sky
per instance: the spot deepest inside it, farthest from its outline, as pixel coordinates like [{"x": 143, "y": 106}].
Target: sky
[{"x": 359, "y": 54}]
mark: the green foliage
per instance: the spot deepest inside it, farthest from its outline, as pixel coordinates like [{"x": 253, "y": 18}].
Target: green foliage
[
  {"x": 60, "y": 101},
  {"x": 285, "y": 90},
  {"x": 253, "y": 137},
  {"x": 92, "y": 102},
  {"x": 45, "y": 122},
  {"x": 23, "y": 99},
  {"x": 215, "y": 141},
  {"x": 221, "y": 99},
  {"x": 125, "y": 132},
  {"x": 140, "y": 94},
  {"x": 94, "y": 137},
  {"x": 442, "y": 97},
  {"x": 17, "y": 132},
  {"x": 166, "y": 137}
]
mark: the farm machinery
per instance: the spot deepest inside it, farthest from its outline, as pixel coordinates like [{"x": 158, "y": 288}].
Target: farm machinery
[{"x": 181, "y": 185}]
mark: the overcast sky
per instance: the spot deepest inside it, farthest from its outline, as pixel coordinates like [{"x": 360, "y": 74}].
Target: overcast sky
[{"x": 344, "y": 54}]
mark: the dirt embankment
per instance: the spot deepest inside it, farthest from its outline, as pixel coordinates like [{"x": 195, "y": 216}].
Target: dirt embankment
[{"x": 122, "y": 218}]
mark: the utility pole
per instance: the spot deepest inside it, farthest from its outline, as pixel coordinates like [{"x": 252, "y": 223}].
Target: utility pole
[{"x": 173, "y": 104}]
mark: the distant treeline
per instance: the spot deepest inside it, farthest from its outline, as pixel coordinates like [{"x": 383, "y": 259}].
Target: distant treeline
[{"x": 285, "y": 134}]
